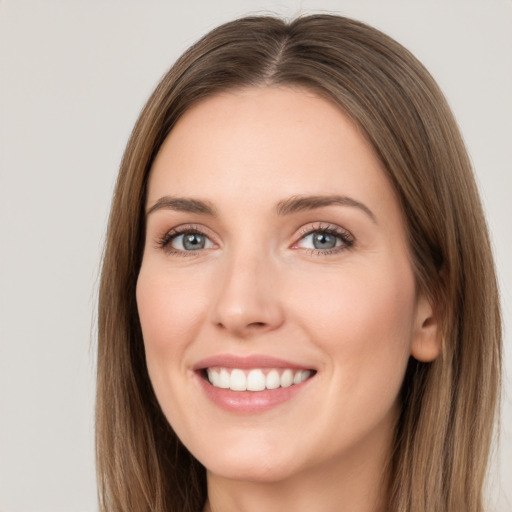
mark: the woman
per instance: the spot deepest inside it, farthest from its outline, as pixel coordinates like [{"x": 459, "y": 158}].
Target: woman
[{"x": 298, "y": 306}]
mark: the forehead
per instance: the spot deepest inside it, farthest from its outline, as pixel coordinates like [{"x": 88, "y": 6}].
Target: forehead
[{"x": 267, "y": 143}]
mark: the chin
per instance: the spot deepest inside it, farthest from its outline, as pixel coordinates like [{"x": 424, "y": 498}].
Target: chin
[
  {"x": 258, "y": 465},
  {"x": 256, "y": 472}
]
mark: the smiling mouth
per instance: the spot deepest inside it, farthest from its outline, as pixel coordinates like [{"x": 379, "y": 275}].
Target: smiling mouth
[{"x": 256, "y": 379}]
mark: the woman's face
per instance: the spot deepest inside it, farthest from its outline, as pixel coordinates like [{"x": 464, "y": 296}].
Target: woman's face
[{"x": 276, "y": 253}]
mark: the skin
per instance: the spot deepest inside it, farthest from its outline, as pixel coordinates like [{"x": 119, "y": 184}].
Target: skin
[{"x": 353, "y": 313}]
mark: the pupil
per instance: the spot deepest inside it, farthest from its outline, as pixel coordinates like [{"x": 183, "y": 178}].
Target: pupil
[
  {"x": 193, "y": 241},
  {"x": 324, "y": 241}
]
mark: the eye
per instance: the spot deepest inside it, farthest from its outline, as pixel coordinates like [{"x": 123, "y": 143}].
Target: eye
[
  {"x": 191, "y": 241},
  {"x": 319, "y": 240},
  {"x": 326, "y": 240},
  {"x": 184, "y": 240}
]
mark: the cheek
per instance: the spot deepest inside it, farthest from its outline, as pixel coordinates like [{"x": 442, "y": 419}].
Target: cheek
[
  {"x": 169, "y": 310},
  {"x": 363, "y": 318}
]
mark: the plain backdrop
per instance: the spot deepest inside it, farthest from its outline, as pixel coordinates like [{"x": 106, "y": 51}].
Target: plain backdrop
[{"x": 73, "y": 77}]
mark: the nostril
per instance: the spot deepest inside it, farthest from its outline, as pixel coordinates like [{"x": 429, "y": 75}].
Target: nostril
[{"x": 257, "y": 324}]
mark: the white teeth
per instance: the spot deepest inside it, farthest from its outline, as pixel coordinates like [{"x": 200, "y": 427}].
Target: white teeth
[
  {"x": 224, "y": 379},
  {"x": 301, "y": 376},
  {"x": 273, "y": 379},
  {"x": 286, "y": 379},
  {"x": 255, "y": 379},
  {"x": 213, "y": 377},
  {"x": 237, "y": 382},
  {"x": 306, "y": 374}
]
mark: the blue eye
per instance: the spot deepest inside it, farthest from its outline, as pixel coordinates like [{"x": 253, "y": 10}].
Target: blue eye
[
  {"x": 184, "y": 239},
  {"x": 326, "y": 240},
  {"x": 190, "y": 241},
  {"x": 320, "y": 240}
]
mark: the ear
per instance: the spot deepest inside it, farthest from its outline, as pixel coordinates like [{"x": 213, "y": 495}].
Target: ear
[{"x": 426, "y": 342}]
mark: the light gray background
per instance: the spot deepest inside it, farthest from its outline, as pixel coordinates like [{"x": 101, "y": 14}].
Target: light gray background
[{"x": 73, "y": 76}]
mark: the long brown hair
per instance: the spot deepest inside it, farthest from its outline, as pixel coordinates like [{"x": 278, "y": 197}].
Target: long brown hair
[{"x": 448, "y": 406}]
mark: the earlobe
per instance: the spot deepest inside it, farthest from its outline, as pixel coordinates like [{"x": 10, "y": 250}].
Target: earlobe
[{"x": 426, "y": 342}]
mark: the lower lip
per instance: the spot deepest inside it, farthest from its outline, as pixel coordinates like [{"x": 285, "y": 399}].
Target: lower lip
[{"x": 249, "y": 402}]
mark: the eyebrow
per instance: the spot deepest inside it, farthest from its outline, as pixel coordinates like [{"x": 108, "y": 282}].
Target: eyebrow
[
  {"x": 183, "y": 204},
  {"x": 300, "y": 203},
  {"x": 288, "y": 206}
]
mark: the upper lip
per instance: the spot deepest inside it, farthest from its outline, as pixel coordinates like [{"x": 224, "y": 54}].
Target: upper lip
[{"x": 244, "y": 362}]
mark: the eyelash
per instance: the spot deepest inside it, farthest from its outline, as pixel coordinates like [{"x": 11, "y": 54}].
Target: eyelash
[
  {"x": 165, "y": 241},
  {"x": 345, "y": 236}
]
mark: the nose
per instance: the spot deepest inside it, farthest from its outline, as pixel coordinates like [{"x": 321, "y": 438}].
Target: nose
[{"x": 247, "y": 299}]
